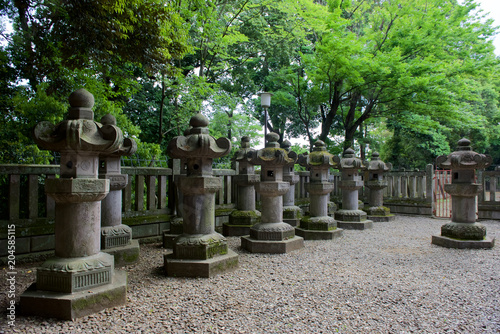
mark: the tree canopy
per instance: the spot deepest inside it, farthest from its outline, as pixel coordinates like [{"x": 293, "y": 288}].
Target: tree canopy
[{"x": 398, "y": 76}]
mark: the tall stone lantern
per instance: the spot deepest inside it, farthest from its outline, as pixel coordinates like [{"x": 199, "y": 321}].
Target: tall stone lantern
[
  {"x": 376, "y": 210},
  {"x": 463, "y": 231},
  {"x": 319, "y": 226},
  {"x": 272, "y": 235},
  {"x": 350, "y": 217},
  {"x": 80, "y": 279},
  {"x": 116, "y": 238},
  {"x": 291, "y": 212},
  {"x": 199, "y": 251},
  {"x": 245, "y": 215}
]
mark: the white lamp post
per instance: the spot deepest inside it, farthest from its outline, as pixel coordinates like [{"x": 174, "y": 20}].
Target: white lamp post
[{"x": 265, "y": 102}]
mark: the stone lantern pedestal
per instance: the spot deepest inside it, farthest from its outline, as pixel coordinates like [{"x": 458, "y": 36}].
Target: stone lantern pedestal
[
  {"x": 291, "y": 212},
  {"x": 319, "y": 226},
  {"x": 350, "y": 217},
  {"x": 272, "y": 235},
  {"x": 245, "y": 215},
  {"x": 463, "y": 231},
  {"x": 199, "y": 251},
  {"x": 80, "y": 279},
  {"x": 376, "y": 210},
  {"x": 116, "y": 238}
]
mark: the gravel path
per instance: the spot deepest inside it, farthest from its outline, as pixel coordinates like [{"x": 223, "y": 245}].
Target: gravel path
[{"x": 389, "y": 279}]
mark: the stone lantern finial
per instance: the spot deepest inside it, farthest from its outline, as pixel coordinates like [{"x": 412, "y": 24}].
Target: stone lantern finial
[
  {"x": 463, "y": 231},
  {"x": 81, "y": 102}
]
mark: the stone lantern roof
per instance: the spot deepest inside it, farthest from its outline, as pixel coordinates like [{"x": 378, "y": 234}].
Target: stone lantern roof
[
  {"x": 377, "y": 165},
  {"x": 319, "y": 157},
  {"x": 464, "y": 158},
  {"x": 349, "y": 161},
  {"x": 198, "y": 143},
  {"x": 272, "y": 154},
  {"x": 79, "y": 132}
]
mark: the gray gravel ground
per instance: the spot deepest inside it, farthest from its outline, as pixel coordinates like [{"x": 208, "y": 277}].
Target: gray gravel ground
[{"x": 389, "y": 279}]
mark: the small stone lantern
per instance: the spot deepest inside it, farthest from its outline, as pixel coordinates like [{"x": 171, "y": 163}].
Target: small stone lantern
[
  {"x": 80, "y": 279},
  {"x": 350, "y": 217},
  {"x": 463, "y": 231},
  {"x": 272, "y": 235},
  {"x": 319, "y": 226},
  {"x": 376, "y": 210},
  {"x": 116, "y": 238},
  {"x": 245, "y": 215},
  {"x": 199, "y": 251},
  {"x": 291, "y": 212}
]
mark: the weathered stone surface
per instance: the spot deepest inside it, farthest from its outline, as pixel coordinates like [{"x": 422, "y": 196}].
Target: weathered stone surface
[
  {"x": 78, "y": 265},
  {"x": 314, "y": 226},
  {"x": 200, "y": 268},
  {"x": 463, "y": 231},
  {"x": 272, "y": 235},
  {"x": 199, "y": 251},
  {"x": 70, "y": 306},
  {"x": 350, "y": 217}
]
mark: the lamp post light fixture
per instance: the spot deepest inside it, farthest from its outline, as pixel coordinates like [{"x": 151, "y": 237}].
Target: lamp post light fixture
[{"x": 265, "y": 102}]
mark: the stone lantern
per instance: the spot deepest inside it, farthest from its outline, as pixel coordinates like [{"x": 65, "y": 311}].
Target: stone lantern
[
  {"x": 350, "y": 217},
  {"x": 272, "y": 235},
  {"x": 176, "y": 224},
  {"x": 199, "y": 251},
  {"x": 291, "y": 212},
  {"x": 319, "y": 226},
  {"x": 245, "y": 215},
  {"x": 116, "y": 238},
  {"x": 376, "y": 210},
  {"x": 80, "y": 279},
  {"x": 463, "y": 231}
]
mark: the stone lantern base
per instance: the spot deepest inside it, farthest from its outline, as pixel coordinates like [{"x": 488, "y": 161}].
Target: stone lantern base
[
  {"x": 117, "y": 241},
  {"x": 69, "y": 288},
  {"x": 380, "y": 214},
  {"x": 175, "y": 267},
  {"x": 240, "y": 222},
  {"x": 352, "y": 220},
  {"x": 439, "y": 240},
  {"x": 274, "y": 238},
  {"x": 318, "y": 228},
  {"x": 291, "y": 215},
  {"x": 200, "y": 255},
  {"x": 271, "y": 246},
  {"x": 176, "y": 229},
  {"x": 463, "y": 236}
]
